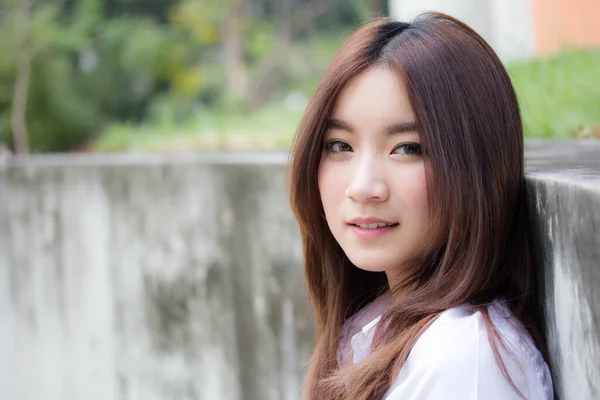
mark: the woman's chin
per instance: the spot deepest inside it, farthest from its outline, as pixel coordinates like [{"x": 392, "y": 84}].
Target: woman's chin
[
  {"x": 372, "y": 267},
  {"x": 390, "y": 266}
]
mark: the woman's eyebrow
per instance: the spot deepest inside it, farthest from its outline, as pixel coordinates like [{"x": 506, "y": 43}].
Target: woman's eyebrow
[
  {"x": 335, "y": 123},
  {"x": 401, "y": 127}
]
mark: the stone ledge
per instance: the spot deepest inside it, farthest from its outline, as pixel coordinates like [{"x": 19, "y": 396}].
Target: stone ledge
[
  {"x": 571, "y": 162},
  {"x": 563, "y": 192},
  {"x": 112, "y": 159}
]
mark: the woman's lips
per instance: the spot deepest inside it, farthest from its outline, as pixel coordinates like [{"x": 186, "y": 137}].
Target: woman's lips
[{"x": 367, "y": 231}]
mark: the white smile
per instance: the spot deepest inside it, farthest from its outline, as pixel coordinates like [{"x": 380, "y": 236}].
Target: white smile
[{"x": 375, "y": 225}]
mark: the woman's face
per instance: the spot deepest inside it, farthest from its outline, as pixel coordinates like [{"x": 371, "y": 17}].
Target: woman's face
[{"x": 372, "y": 175}]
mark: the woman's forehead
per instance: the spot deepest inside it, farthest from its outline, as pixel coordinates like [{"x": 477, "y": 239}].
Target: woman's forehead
[{"x": 376, "y": 95}]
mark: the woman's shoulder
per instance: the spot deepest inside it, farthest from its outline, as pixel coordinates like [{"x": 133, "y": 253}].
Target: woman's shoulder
[
  {"x": 454, "y": 358},
  {"x": 462, "y": 331}
]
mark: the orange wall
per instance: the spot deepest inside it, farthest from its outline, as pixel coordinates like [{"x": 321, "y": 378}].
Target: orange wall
[{"x": 559, "y": 24}]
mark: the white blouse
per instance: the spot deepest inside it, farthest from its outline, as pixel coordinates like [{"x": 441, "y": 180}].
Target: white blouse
[{"x": 453, "y": 359}]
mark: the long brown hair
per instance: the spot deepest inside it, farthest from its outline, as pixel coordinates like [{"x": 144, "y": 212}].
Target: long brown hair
[{"x": 471, "y": 134}]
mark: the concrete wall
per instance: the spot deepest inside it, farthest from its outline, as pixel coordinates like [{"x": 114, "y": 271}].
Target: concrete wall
[
  {"x": 564, "y": 201},
  {"x": 179, "y": 277},
  {"x": 151, "y": 278}
]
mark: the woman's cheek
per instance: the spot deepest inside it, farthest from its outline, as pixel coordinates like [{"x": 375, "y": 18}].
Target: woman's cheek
[
  {"x": 331, "y": 183},
  {"x": 412, "y": 186}
]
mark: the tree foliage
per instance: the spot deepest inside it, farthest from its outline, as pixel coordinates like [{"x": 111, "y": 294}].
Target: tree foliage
[{"x": 70, "y": 67}]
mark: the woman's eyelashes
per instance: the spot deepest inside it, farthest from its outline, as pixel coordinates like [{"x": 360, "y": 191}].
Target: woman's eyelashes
[
  {"x": 337, "y": 146},
  {"x": 408, "y": 149},
  {"x": 405, "y": 149}
]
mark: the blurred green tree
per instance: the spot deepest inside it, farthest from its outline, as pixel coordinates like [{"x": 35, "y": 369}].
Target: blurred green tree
[
  {"x": 74, "y": 71},
  {"x": 31, "y": 31},
  {"x": 216, "y": 29},
  {"x": 73, "y": 67},
  {"x": 245, "y": 45}
]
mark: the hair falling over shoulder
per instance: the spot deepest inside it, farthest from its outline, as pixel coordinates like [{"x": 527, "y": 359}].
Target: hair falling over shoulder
[{"x": 471, "y": 133}]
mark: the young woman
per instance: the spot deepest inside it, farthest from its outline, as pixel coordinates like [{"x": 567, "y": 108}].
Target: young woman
[{"x": 407, "y": 183}]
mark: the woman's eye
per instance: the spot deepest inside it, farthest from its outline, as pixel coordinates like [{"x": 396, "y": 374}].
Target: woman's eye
[
  {"x": 337, "y": 146},
  {"x": 408, "y": 149}
]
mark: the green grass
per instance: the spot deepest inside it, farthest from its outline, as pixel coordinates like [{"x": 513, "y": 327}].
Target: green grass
[
  {"x": 559, "y": 98},
  {"x": 269, "y": 128}
]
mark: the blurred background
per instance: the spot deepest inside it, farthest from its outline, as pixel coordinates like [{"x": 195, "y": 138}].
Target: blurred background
[
  {"x": 185, "y": 75},
  {"x": 180, "y": 277}
]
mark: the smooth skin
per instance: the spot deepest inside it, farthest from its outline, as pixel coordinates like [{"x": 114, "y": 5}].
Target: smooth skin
[{"x": 372, "y": 171}]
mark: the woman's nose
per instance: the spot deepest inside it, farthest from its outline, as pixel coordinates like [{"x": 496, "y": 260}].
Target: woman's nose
[{"x": 367, "y": 183}]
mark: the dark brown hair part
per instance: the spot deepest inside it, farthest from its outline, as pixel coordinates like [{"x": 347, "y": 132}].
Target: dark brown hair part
[{"x": 471, "y": 133}]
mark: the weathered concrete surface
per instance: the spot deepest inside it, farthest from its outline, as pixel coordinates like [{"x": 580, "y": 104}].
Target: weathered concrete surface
[
  {"x": 150, "y": 278},
  {"x": 564, "y": 201},
  {"x": 179, "y": 277}
]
